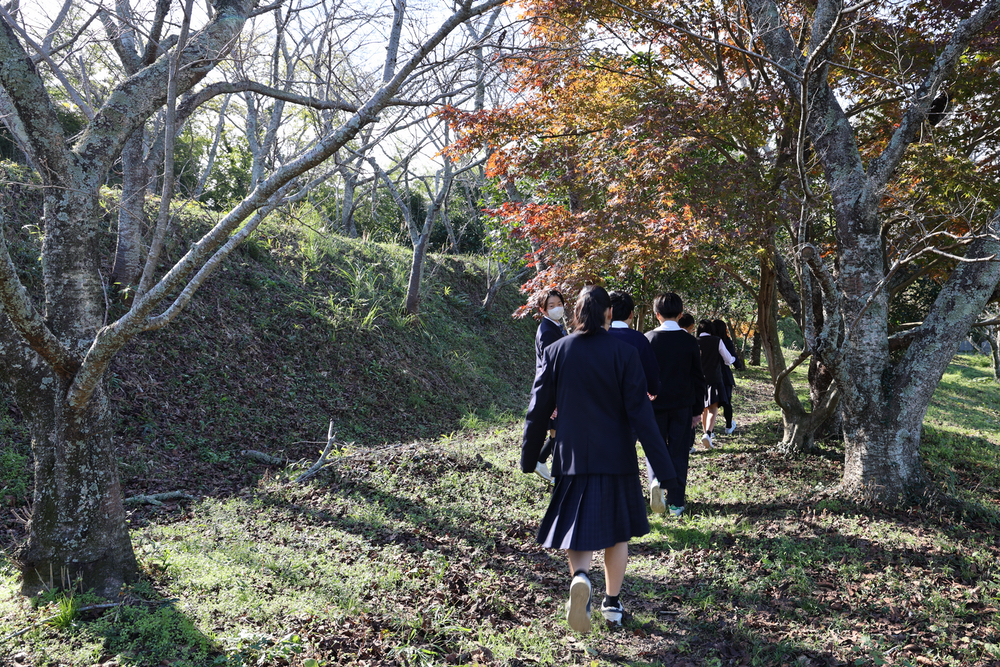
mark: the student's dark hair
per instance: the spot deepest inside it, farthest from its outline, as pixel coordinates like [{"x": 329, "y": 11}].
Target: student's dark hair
[
  {"x": 591, "y": 305},
  {"x": 543, "y": 298},
  {"x": 685, "y": 321},
  {"x": 705, "y": 326},
  {"x": 719, "y": 329},
  {"x": 668, "y": 305},
  {"x": 622, "y": 306}
]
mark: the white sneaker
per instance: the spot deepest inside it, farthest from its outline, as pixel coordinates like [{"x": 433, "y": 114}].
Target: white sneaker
[
  {"x": 613, "y": 615},
  {"x": 656, "y": 498},
  {"x": 578, "y": 607},
  {"x": 729, "y": 431},
  {"x": 542, "y": 471},
  {"x": 706, "y": 441}
]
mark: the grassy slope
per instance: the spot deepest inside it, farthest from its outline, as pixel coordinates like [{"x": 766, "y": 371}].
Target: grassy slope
[{"x": 297, "y": 330}]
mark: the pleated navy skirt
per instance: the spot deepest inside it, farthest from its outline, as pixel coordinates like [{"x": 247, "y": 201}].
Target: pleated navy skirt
[{"x": 591, "y": 512}]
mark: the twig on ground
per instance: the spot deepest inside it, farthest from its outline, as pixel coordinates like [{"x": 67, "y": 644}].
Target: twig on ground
[{"x": 158, "y": 498}]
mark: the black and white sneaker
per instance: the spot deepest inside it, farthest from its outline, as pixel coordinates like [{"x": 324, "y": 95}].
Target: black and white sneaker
[
  {"x": 613, "y": 613},
  {"x": 578, "y": 607}
]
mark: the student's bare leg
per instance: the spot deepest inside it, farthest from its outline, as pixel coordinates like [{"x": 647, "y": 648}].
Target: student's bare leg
[
  {"x": 708, "y": 417},
  {"x": 579, "y": 560},
  {"x": 615, "y": 561}
]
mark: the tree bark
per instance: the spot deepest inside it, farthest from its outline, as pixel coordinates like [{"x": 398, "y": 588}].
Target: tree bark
[
  {"x": 799, "y": 425},
  {"x": 412, "y": 303},
  {"x": 78, "y": 528},
  {"x": 755, "y": 347},
  {"x": 347, "y": 224},
  {"x": 131, "y": 214}
]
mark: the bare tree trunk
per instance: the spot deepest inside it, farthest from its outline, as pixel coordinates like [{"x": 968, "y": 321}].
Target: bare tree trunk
[
  {"x": 412, "y": 303},
  {"x": 755, "y": 347},
  {"x": 78, "y": 527},
  {"x": 449, "y": 229},
  {"x": 347, "y": 211},
  {"x": 799, "y": 425},
  {"x": 131, "y": 214}
]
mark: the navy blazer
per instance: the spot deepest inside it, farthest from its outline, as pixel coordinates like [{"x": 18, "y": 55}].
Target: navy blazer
[
  {"x": 649, "y": 366},
  {"x": 598, "y": 384},
  {"x": 682, "y": 382},
  {"x": 548, "y": 333}
]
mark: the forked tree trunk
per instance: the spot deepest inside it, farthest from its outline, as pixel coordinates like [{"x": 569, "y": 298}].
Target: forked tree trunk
[
  {"x": 884, "y": 415},
  {"x": 884, "y": 401},
  {"x": 799, "y": 425},
  {"x": 77, "y": 529}
]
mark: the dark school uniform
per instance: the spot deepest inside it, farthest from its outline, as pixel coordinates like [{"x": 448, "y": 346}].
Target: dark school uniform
[
  {"x": 548, "y": 332},
  {"x": 650, "y": 368},
  {"x": 681, "y": 397},
  {"x": 728, "y": 382},
  {"x": 711, "y": 366},
  {"x": 598, "y": 384}
]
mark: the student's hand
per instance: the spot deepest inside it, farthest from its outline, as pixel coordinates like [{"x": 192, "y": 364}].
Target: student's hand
[
  {"x": 695, "y": 420},
  {"x": 555, "y": 413},
  {"x": 651, "y": 397}
]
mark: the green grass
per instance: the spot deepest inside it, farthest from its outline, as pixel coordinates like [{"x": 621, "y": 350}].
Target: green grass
[{"x": 424, "y": 554}]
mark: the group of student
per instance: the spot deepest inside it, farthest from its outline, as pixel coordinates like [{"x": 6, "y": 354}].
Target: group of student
[{"x": 595, "y": 393}]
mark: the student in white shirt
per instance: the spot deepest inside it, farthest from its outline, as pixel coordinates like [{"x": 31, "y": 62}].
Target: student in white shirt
[{"x": 713, "y": 355}]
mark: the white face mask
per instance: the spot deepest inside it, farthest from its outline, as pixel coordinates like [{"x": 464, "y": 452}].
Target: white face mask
[{"x": 556, "y": 313}]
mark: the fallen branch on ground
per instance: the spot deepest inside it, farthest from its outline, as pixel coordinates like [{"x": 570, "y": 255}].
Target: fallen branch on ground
[
  {"x": 262, "y": 457},
  {"x": 322, "y": 459},
  {"x": 158, "y": 498}
]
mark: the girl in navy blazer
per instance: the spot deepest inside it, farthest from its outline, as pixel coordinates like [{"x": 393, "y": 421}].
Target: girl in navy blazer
[{"x": 598, "y": 384}]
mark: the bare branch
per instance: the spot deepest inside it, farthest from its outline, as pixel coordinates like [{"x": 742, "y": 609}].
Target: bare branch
[
  {"x": 25, "y": 88},
  {"x": 56, "y": 70},
  {"x": 163, "y": 219}
]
